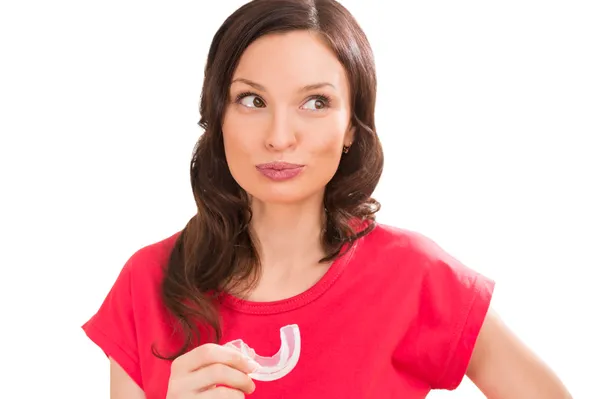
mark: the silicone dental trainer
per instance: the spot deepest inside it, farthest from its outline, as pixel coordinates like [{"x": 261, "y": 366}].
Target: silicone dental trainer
[{"x": 277, "y": 366}]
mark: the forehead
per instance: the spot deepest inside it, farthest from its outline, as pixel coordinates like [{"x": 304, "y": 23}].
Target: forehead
[{"x": 291, "y": 60}]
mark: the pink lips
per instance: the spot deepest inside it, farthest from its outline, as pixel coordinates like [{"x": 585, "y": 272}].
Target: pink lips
[{"x": 279, "y": 171}]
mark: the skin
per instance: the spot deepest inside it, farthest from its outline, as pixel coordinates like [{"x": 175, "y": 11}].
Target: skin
[{"x": 283, "y": 120}]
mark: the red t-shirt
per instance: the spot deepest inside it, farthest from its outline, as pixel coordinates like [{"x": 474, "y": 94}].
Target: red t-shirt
[{"x": 395, "y": 317}]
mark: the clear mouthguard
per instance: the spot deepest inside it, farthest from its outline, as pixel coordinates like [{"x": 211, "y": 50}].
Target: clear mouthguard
[{"x": 277, "y": 366}]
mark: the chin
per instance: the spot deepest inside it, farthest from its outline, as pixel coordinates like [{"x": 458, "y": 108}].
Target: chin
[
  {"x": 279, "y": 197},
  {"x": 282, "y": 194}
]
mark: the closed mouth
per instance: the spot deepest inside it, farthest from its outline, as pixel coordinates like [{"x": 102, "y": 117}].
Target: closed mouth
[{"x": 278, "y": 166}]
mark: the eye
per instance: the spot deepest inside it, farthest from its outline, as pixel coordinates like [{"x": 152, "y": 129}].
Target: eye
[
  {"x": 250, "y": 100},
  {"x": 316, "y": 103}
]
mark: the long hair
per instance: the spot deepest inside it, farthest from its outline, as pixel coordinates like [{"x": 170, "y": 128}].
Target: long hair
[{"x": 216, "y": 247}]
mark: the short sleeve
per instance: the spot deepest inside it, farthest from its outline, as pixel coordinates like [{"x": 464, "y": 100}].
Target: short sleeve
[
  {"x": 113, "y": 326},
  {"x": 452, "y": 305}
]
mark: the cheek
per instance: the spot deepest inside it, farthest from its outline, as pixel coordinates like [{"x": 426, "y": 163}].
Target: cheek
[
  {"x": 325, "y": 147},
  {"x": 238, "y": 147},
  {"x": 238, "y": 138},
  {"x": 327, "y": 139}
]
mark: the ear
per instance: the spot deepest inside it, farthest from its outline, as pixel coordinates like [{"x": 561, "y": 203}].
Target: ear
[{"x": 349, "y": 137}]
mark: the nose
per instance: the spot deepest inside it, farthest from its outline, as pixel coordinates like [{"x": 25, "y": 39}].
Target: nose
[{"x": 280, "y": 135}]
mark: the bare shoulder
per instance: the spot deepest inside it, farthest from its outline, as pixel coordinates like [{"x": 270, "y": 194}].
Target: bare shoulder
[
  {"x": 503, "y": 367},
  {"x": 122, "y": 385}
]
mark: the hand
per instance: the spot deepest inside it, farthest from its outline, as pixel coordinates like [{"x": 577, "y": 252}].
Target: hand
[{"x": 211, "y": 371}]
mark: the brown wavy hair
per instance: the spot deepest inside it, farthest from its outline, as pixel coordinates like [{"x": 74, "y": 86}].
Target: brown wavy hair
[{"x": 216, "y": 248}]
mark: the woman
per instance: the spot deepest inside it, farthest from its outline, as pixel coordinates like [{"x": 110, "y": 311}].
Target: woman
[{"x": 282, "y": 284}]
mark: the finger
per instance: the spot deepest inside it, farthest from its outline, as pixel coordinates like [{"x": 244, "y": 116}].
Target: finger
[
  {"x": 222, "y": 375},
  {"x": 208, "y": 354},
  {"x": 222, "y": 393},
  {"x": 252, "y": 353},
  {"x": 213, "y": 376}
]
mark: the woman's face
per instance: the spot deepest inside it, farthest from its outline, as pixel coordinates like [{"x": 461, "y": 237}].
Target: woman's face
[{"x": 287, "y": 118}]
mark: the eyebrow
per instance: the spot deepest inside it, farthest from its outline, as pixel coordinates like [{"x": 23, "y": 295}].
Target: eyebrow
[{"x": 260, "y": 87}]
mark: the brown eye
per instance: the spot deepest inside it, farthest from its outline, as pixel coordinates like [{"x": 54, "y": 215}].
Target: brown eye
[
  {"x": 252, "y": 101},
  {"x": 258, "y": 102},
  {"x": 315, "y": 104}
]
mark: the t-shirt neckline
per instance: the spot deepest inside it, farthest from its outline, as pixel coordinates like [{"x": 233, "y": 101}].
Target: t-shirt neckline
[{"x": 302, "y": 299}]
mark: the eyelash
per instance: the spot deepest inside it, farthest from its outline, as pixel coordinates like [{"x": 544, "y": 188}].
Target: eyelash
[{"x": 321, "y": 97}]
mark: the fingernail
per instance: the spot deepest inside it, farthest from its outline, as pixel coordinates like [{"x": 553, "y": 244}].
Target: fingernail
[{"x": 253, "y": 365}]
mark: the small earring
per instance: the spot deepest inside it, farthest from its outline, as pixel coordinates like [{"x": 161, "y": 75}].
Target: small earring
[{"x": 345, "y": 149}]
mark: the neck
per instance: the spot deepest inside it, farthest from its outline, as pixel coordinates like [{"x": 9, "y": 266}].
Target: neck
[{"x": 289, "y": 235}]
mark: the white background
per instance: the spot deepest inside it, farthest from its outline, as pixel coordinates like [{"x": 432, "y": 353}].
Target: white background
[{"x": 489, "y": 113}]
